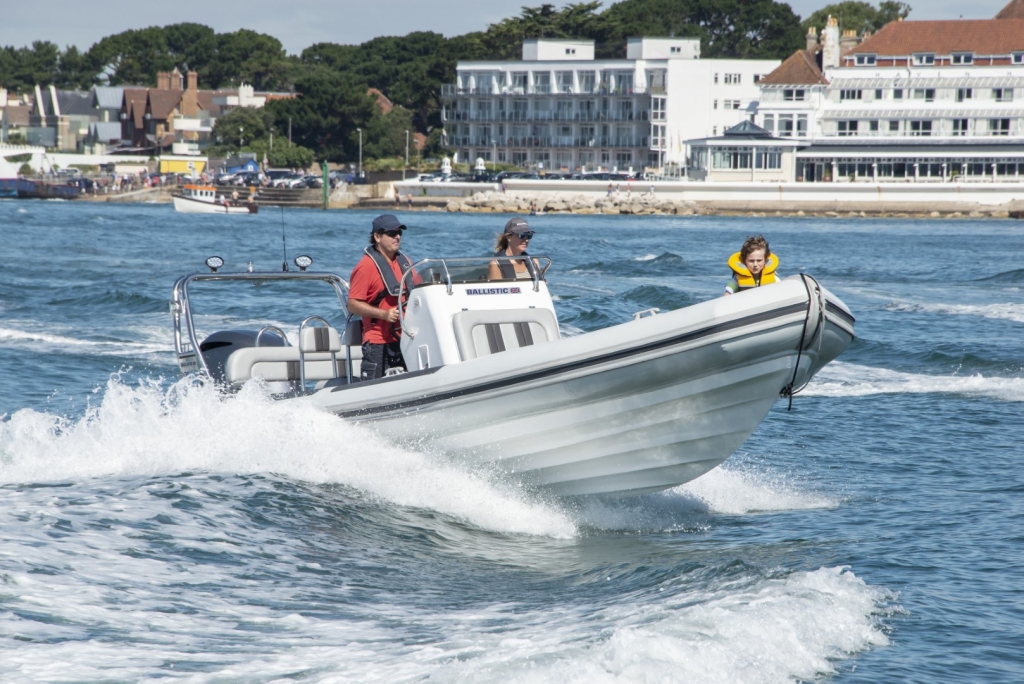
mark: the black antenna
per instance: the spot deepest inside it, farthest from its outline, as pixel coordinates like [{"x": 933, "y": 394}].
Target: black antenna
[{"x": 284, "y": 245}]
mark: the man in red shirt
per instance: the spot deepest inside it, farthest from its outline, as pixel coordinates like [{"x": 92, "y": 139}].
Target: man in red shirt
[{"x": 373, "y": 294}]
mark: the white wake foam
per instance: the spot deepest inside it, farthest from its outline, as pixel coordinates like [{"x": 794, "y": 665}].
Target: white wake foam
[
  {"x": 840, "y": 379},
  {"x": 1001, "y": 311},
  {"x": 152, "y": 430},
  {"x": 775, "y": 630},
  {"x": 724, "y": 490}
]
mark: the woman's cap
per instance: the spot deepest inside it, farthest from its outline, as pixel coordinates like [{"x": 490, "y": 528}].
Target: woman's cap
[{"x": 517, "y": 225}]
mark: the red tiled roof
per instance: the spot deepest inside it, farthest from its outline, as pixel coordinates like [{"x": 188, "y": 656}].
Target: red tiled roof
[
  {"x": 162, "y": 102},
  {"x": 135, "y": 104},
  {"x": 382, "y": 101},
  {"x": 801, "y": 68},
  {"x": 980, "y": 36},
  {"x": 1014, "y": 10}
]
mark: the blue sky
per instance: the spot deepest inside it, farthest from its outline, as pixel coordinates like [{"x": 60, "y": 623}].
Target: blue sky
[{"x": 300, "y": 23}]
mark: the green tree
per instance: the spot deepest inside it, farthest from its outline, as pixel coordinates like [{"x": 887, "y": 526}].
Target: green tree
[
  {"x": 242, "y": 124},
  {"x": 249, "y": 57},
  {"x": 330, "y": 106},
  {"x": 858, "y": 16}
]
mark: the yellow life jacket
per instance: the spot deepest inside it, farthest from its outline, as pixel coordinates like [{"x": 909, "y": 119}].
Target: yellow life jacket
[{"x": 743, "y": 277}]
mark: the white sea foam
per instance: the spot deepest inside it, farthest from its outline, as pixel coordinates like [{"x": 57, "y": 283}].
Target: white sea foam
[
  {"x": 724, "y": 490},
  {"x": 840, "y": 379},
  {"x": 151, "y": 430},
  {"x": 148, "y": 340},
  {"x": 646, "y": 257},
  {"x": 1001, "y": 311}
]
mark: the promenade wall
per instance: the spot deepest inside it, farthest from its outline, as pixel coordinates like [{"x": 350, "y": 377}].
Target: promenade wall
[{"x": 661, "y": 197}]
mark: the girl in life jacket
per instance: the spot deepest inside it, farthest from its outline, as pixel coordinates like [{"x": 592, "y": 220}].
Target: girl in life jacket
[{"x": 753, "y": 266}]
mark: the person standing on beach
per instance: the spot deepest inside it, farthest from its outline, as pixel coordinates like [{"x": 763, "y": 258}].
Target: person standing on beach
[{"x": 753, "y": 266}]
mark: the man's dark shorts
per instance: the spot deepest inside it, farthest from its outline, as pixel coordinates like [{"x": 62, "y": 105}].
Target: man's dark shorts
[{"x": 378, "y": 358}]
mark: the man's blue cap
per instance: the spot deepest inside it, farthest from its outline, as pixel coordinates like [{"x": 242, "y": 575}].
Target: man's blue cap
[{"x": 387, "y": 222}]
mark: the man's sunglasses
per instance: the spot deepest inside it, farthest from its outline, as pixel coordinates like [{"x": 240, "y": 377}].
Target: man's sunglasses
[
  {"x": 524, "y": 236},
  {"x": 392, "y": 233}
]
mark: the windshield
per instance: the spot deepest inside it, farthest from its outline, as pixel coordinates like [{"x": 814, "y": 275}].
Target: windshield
[{"x": 467, "y": 270}]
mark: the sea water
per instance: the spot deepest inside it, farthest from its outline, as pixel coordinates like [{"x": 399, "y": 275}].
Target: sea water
[{"x": 151, "y": 528}]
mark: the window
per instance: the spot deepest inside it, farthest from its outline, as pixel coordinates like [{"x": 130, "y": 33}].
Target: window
[
  {"x": 795, "y": 95},
  {"x": 959, "y": 127},
  {"x": 570, "y": 51},
  {"x": 484, "y": 80},
  {"x": 714, "y": 104},
  {"x": 866, "y": 60},
  {"x": 731, "y": 104},
  {"x": 768, "y": 159},
  {"x": 731, "y": 158},
  {"x": 897, "y": 93},
  {"x": 963, "y": 58},
  {"x": 801, "y": 126},
  {"x": 769, "y": 123},
  {"x": 999, "y": 127},
  {"x": 1018, "y": 57},
  {"x": 716, "y": 78},
  {"x": 1002, "y": 94},
  {"x": 714, "y": 130},
  {"x": 786, "y": 125},
  {"x": 849, "y": 94},
  {"x": 564, "y": 81},
  {"x": 926, "y": 94},
  {"x": 675, "y": 50},
  {"x": 924, "y": 59},
  {"x": 542, "y": 82},
  {"x": 878, "y": 93},
  {"x": 921, "y": 128},
  {"x": 587, "y": 81},
  {"x": 732, "y": 79},
  {"x": 657, "y": 109},
  {"x": 758, "y": 77},
  {"x": 519, "y": 82},
  {"x": 873, "y": 125},
  {"x": 847, "y": 128},
  {"x": 894, "y": 126},
  {"x": 964, "y": 94}
]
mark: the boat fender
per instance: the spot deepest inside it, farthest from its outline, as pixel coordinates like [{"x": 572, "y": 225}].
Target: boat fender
[
  {"x": 508, "y": 270},
  {"x": 391, "y": 284},
  {"x": 743, "y": 276}
]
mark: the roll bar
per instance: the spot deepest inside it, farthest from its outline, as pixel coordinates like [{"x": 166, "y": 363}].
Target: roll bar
[{"x": 186, "y": 346}]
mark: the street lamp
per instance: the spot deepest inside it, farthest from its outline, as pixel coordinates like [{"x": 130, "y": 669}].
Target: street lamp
[
  {"x": 406, "y": 154},
  {"x": 360, "y": 167}
]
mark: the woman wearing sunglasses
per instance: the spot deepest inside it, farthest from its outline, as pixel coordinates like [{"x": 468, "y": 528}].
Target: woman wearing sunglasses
[{"x": 512, "y": 242}]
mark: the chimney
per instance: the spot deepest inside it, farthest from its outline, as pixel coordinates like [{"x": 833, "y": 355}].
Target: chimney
[
  {"x": 190, "y": 98},
  {"x": 812, "y": 37},
  {"x": 177, "y": 82},
  {"x": 847, "y": 42},
  {"x": 163, "y": 80},
  {"x": 830, "y": 44}
]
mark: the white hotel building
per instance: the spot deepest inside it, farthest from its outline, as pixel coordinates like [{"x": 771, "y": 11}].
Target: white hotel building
[
  {"x": 560, "y": 109},
  {"x": 919, "y": 101}
]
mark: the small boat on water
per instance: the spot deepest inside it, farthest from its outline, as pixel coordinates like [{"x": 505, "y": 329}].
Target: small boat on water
[
  {"x": 638, "y": 407},
  {"x": 208, "y": 199}
]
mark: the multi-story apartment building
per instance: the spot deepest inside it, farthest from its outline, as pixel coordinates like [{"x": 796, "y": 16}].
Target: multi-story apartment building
[
  {"x": 560, "y": 109},
  {"x": 919, "y": 100}
]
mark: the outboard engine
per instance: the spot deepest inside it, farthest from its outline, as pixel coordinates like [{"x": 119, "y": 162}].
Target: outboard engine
[{"x": 218, "y": 347}]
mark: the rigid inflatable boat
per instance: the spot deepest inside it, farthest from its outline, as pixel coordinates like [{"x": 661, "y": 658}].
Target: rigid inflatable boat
[{"x": 645, "y": 405}]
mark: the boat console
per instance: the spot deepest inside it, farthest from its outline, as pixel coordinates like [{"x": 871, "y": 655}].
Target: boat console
[{"x": 452, "y": 313}]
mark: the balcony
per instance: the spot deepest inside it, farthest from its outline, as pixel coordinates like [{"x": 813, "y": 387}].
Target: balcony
[
  {"x": 542, "y": 115},
  {"x": 450, "y": 91}
]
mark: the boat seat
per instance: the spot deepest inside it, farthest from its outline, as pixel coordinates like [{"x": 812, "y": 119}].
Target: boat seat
[
  {"x": 481, "y": 333},
  {"x": 274, "y": 364}
]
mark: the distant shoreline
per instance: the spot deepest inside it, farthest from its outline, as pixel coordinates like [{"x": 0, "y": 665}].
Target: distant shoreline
[{"x": 631, "y": 204}]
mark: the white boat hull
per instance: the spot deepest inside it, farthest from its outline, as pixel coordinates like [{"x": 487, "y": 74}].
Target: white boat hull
[
  {"x": 187, "y": 205},
  {"x": 638, "y": 407}
]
